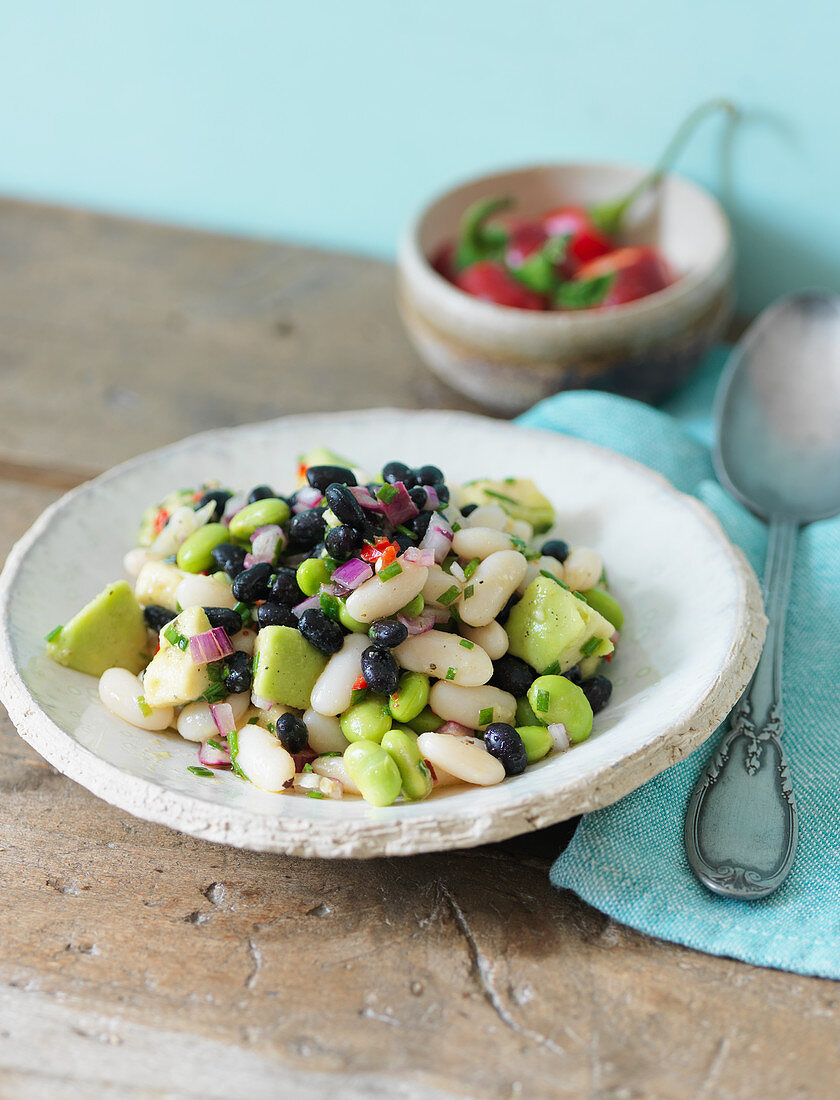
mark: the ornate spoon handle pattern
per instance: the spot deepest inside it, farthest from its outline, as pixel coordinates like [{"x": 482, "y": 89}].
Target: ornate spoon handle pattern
[{"x": 741, "y": 825}]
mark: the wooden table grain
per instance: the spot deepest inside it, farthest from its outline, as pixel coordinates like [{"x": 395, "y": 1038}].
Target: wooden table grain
[{"x": 137, "y": 962}]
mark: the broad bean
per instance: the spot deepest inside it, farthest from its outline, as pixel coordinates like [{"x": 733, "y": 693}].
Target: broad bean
[
  {"x": 311, "y": 574},
  {"x": 425, "y": 722},
  {"x": 401, "y": 746},
  {"x": 366, "y": 721},
  {"x": 269, "y": 510},
  {"x": 557, "y": 699},
  {"x": 537, "y": 741},
  {"x": 195, "y": 552},
  {"x": 410, "y": 698},
  {"x": 373, "y": 771}
]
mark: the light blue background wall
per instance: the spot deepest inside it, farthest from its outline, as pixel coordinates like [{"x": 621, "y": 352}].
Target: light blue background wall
[{"x": 328, "y": 122}]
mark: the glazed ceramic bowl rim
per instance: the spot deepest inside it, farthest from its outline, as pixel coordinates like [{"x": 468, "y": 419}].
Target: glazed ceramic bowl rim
[{"x": 414, "y": 263}]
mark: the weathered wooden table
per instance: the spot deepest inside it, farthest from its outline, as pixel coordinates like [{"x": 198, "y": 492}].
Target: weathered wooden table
[{"x": 138, "y": 962}]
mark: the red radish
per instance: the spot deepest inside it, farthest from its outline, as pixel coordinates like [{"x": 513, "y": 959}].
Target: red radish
[
  {"x": 489, "y": 280},
  {"x": 636, "y": 271},
  {"x": 585, "y": 243}
]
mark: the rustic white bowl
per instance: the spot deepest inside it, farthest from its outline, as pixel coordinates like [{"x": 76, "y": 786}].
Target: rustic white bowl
[
  {"x": 693, "y": 632},
  {"x": 507, "y": 359}
]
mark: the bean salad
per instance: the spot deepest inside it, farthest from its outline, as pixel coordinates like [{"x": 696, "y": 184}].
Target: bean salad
[{"x": 374, "y": 636}]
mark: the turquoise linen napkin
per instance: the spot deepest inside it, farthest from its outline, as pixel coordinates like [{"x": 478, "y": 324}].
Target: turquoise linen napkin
[{"x": 628, "y": 860}]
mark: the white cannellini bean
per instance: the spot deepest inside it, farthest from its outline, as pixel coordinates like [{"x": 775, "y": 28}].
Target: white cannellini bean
[
  {"x": 436, "y": 584},
  {"x": 465, "y": 704},
  {"x": 324, "y": 732},
  {"x": 493, "y": 582},
  {"x": 520, "y": 528},
  {"x": 196, "y": 590},
  {"x": 331, "y": 692},
  {"x": 376, "y": 599},
  {"x": 488, "y": 515},
  {"x": 333, "y": 768},
  {"x": 464, "y": 757},
  {"x": 582, "y": 569},
  {"x": 492, "y": 638},
  {"x": 541, "y": 565},
  {"x": 196, "y": 723},
  {"x": 134, "y": 561},
  {"x": 263, "y": 759},
  {"x": 479, "y": 542},
  {"x": 443, "y": 778},
  {"x": 157, "y": 582},
  {"x": 120, "y": 689},
  {"x": 438, "y": 654},
  {"x": 179, "y": 527},
  {"x": 244, "y": 640}
]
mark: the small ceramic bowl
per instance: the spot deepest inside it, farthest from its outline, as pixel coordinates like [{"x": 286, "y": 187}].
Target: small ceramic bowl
[{"x": 506, "y": 359}]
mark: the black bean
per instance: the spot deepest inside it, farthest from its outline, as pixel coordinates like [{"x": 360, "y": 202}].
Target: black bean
[
  {"x": 306, "y": 528},
  {"x": 240, "y": 673},
  {"x": 262, "y": 492},
  {"x": 388, "y": 632},
  {"x": 598, "y": 691},
  {"x": 556, "y": 548},
  {"x": 320, "y": 631},
  {"x": 285, "y": 588},
  {"x": 342, "y": 542},
  {"x": 229, "y": 620},
  {"x": 345, "y": 506},
  {"x": 504, "y": 614},
  {"x": 396, "y": 471},
  {"x": 419, "y": 495},
  {"x": 380, "y": 670},
  {"x": 430, "y": 475},
  {"x": 573, "y": 674},
  {"x": 270, "y": 613},
  {"x": 319, "y": 477},
  {"x": 442, "y": 494},
  {"x": 513, "y": 675},
  {"x": 403, "y": 541},
  {"x": 220, "y": 497},
  {"x": 157, "y": 617},
  {"x": 252, "y": 584},
  {"x": 291, "y": 732},
  {"x": 503, "y": 742},
  {"x": 419, "y": 523},
  {"x": 229, "y": 558},
  {"x": 468, "y": 509}
]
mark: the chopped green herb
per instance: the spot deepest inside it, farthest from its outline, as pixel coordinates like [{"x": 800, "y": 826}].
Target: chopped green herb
[
  {"x": 509, "y": 480},
  {"x": 499, "y": 496},
  {"x": 315, "y": 794},
  {"x": 205, "y": 773},
  {"x": 541, "y": 702},
  {"x": 233, "y": 742},
  {"x": 331, "y": 754},
  {"x": 551, "y": 577},
  {"x": 244, "y": 611},
  {"x": 357, "y": 695},
  {"x": 553, "y": 669},
  {"x": 214, "y": 744},
  {"x": 178, "y": 607},
  {"x": 579, "y": 596},
  {"x": 53, "y": 634},
  {"x": 602, "y": 580},
  {"x": 329, "y": 562},
  {"x": 467, "y": 644},
  {"x": 451, "y": 673},
  {"x": 330, "y": 605},
  {"x": 255, "y": 664},
  {"x": 307, "y": 767},
  {"x": 390, "y": 571},
  {"x": 253, "y": 721},
  {"x": 217, "y": 671},
  {"x": 387, "y": 493},
  {"x": 589, "y": 646},
  {"x": 271, "y": 727},
  {"x": 469, "y": 591},
  {"x": 485, "y": 716},
  {"x": 214, "y": 694},
  {"x": 449, "y": 596},
  {"x": 405, "y": 531},
  {"x": 519, "y": 544},
  {"x": 143, "y": 706},
  {"x": 471, "y": 567},
  {"x": 453, "y": 611},
  {"x": 176, "y": 638}
]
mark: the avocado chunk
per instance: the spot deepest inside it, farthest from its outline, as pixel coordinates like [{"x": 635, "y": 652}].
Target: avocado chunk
[
  {"x": 605, "y": 605},
  {"x": 556, "y": 699},
  {"x": 146, "y": 534},
  {"x": 518, "y": 496},
  {"x": 550, "y": 624},
  {"x": 286, "y": 666},
  {"x": 109, "y": 632},
  {"x": 172, "y": 679}
]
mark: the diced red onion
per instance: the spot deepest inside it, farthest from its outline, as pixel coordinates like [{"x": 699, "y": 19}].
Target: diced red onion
[
  {"x": 352, "y": 573},
  {"x": 223, "y": 717},
  {"x": 209, "y": 646},
  {"x": 332, "y": 788},
  {"x": 432, "y": 499},
  {"x": 260, "y": 703},
  {"x": 267, "y": 542},
  {"x": 614, "y": 638},
  {"x": 211, "y": 757},
  {"x": 441, "y": 614},
  {"x": 303, "y": 758},
  {"x": 367, "y": 500},
  {"x": 421, "y": 623},
  {"x": 307, "y": 498},
  {"x": 401, "y": 507},
  {"x": 438, "y": 537},
  {"x": 419, "y": 557},
  {"x": 558, "y": 734},
  {"x": 306, "y": 605},
  {"x": 455, "y": 729},
  {"x": 233, "y": 505}
]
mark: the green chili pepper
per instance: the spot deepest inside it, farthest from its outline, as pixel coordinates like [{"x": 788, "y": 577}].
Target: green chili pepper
[
  {"x": 477, "y": 240},
  {"x": 539, "y": 270}
]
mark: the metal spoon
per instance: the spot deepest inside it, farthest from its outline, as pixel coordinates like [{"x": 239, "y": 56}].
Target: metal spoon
[{"x": 778, "y": 452}]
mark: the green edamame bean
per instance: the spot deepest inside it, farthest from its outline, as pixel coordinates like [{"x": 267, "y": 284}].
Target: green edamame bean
[
  {"x": 425, "y": 722},
  {"x": 311, "y": 574},
  {"x": 401, "y": 746},
  {"x": 605, "y": 605},
  {"x": 556, "y": 699},
  {"x": 524, "y": 715},
  {"x": 373, "y": 771},
  {"x": 411, "y": 696},
  {"x": 537, "y": 741},
  {"x": 258, "y": 514},
  {"x": 194, "y": 553},
  {"x": 413, "y": 609},
  {"x": 366, "y": 721},
  {"x": 348, "y": 622}
]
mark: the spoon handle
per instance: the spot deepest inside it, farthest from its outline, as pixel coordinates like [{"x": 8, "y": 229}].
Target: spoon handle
[{"x": 741, "y": 825}]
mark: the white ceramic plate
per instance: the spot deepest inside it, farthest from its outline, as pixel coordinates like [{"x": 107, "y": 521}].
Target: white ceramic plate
[{"x": 692, "y": 637}]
